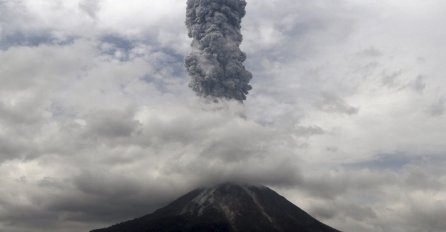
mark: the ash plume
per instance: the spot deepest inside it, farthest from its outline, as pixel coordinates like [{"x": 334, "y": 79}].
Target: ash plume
[{"x": 215, "y": 63}]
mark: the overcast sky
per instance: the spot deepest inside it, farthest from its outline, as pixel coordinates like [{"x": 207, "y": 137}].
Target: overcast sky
[{"x": 347, "y": 116}]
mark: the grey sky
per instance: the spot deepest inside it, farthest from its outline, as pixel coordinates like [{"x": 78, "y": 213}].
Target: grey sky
[{"x": 345, "y": 118}]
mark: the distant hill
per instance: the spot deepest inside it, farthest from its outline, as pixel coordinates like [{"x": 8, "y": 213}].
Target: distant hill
[{"x": 226, "y": 208}]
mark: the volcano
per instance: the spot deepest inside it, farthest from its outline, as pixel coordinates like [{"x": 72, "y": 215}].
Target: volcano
[{"x": 226, "y": 208}]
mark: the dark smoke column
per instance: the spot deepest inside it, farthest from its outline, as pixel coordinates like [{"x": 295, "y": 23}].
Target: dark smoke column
[{"x": 216, "y": 61}]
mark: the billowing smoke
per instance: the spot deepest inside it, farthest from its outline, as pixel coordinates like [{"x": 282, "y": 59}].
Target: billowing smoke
[{"x": 216, "y": 61}]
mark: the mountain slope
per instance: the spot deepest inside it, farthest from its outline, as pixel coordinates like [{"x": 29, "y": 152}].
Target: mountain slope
[{"x": 226, "y": 208}]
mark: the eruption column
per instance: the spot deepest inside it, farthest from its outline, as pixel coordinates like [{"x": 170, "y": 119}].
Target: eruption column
[{"x": 215, "y": 63}]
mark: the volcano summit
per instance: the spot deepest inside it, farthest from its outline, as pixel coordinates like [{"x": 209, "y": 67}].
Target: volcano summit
[{"x": 226, "y": 208}]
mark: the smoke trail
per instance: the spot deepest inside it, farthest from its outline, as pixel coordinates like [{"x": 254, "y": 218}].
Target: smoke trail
[{"x": 216, "y": 61}]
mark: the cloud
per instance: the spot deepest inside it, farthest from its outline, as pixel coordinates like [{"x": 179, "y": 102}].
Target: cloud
[
  {"x": 215, "y": 63},
  {"x": 370, "y": 53},
  {"x": 333, "y": 103},
  {"x": 127, "y": 167},
  {"x": 438, "y": 108},
  {"x": 97, "y": 124},
  {"x": 91, "y": 7},
  {"x": 419, "y": 84},
  {"x": 111, "y": 124},
  {"x": 372, "y": 199}
]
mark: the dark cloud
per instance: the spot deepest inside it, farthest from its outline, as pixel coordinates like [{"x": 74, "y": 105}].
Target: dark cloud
[
  {"x": 106, "y": 196},
  {"x": 216, "y": 61}
]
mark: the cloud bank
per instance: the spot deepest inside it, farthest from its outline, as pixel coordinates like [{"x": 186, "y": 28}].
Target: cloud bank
[{"x": 97, "y": 124}]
